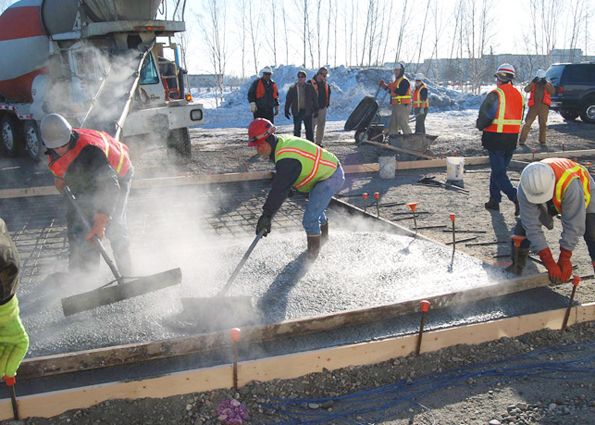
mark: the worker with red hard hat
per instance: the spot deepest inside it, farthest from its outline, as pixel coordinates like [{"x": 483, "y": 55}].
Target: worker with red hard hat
[{"x": 303, "y": 166}]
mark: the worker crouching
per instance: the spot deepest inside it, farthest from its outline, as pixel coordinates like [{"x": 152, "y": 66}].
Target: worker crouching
[
  {"x": 303, "y": 166},
  {"x": 98, "y": 170},
  {"x": 550, "y": 187}
]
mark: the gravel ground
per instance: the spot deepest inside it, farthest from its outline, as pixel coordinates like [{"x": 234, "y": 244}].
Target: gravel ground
[{"x": 450, "y": 388}]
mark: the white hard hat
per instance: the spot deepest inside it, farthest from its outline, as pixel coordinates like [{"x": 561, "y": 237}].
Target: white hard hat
[
  {"x": 55, "y": 130},
  {"x": 505, "y": 72},
  {"x": 540, "y": 73},
  {"x": 266, "y": 70},
  {"x": 419, "y": 76},
  {"x": 538, "y": 181}
]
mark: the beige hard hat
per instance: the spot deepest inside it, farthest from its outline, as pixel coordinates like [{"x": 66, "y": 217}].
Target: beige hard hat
[
  {"x": 419, "y": 76},
  {"x": 55, "y": 131},
  {"x": 538, "y": 181}
]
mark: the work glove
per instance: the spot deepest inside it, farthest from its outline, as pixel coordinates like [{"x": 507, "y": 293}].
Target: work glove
[
  {"x": 277, "y": 110},
  {"x": 565, "y": 264},
  {"x": 253, "y": 107},
  {"x": 552, "y": 267},
  {"x": 99, "y": 224},
  {"x": 264, "y": 224},
  {"x": 59, "y": 183},
  {"x": 287, "y": 115},
  {"x": 14, "y": 341}
]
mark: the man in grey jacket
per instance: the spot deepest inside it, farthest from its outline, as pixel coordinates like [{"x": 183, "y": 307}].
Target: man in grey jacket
[
  {"x": 302, "y": 102},
  {"x": 550, "y": 187}
]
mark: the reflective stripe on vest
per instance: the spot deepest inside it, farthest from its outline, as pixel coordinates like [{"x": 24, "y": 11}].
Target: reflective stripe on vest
[
  {"x": 398, "y": 99},
  {"x": 547, "y": 98},
  {"x": 116, "y": 152},
  {"x": 566, "y": 171},
  {"x": 261, "y": 91},
  {"x": 510, "y": 111},
  {"x": 317, "y": 163},
  {"x": 417, "y": 102}
]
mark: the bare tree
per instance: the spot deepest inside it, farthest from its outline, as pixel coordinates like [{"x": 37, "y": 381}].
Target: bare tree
[
  {"x": 328, "y": 29},
  {"x": 389, "y": 17},
  {"x": 255, "y": 19},
  {"x": 274, "y": 25},
  {"x": 285, "y": 32},
  {"x": 420, "y": 44},
  {"x": 402, "y": 28},
  {"x": 242, "y": 25},
  {"x": 318, "y": 33}
]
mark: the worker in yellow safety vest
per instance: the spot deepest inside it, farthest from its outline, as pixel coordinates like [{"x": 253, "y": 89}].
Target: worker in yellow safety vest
[
  {"x": 421, "y": 104},
  {"x": 400, "y": 100}
]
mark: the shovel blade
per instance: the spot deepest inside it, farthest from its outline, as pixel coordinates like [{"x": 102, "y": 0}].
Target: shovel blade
[
  {"x": 221, "y": 312},
  {"x": 112, "y": 294}
]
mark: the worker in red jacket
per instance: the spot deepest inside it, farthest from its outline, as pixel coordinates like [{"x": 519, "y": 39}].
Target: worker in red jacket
[{"x": 98, "y": 170}]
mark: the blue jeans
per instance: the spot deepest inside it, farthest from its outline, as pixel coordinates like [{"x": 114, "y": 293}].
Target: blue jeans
[
  {"x": 318, "y": 200},
  {"x": 499, "y": 181}
]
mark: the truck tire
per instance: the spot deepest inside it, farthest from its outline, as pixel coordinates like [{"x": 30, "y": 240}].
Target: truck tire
[
  {"x": 362, "y": 115},
  {"x": 11, "y": 135},
  {"x": 179, "y": 139},
  {"x": 588, "y": 111},
  {"x": 569, "y": 114},
  {"x": 34, "y": 147}
]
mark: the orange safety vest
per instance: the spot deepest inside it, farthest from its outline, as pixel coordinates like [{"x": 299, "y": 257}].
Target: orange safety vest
[
  {"x": 417, "y": 102},
  {"x": 116, "y": 152},
  {"x": 260, "y": 90},
  {"x": 547, "y": 98},
  {"x": 396, "y": 99},
  {"x": 326, "y": 90},
  {"x": 510, "y": 111},
  {"x": 566, "y": 171}
]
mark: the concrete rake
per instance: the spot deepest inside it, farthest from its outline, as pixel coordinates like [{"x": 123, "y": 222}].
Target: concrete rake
[{"x": 122, "y": 287}]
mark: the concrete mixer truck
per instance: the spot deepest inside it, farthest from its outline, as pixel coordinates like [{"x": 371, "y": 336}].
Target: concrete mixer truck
[{"x": 103, "y": 64}]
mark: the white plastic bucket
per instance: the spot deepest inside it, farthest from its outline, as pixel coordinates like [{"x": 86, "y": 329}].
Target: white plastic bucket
[
  {"x": 455, "y": 167},
  {"x": 387, "y": 167}
]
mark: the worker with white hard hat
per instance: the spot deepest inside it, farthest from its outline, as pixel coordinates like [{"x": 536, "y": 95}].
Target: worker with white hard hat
[
  {"x": 550, "y": 187},
  {"x": 263, "y": 96},
  {"x": 400, "y": 101},
  {"x": 540, "y": 98},
  {"x": 421, "y": 103}
]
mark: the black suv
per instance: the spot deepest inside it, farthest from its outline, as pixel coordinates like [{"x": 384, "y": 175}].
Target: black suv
[{"x": 575, "y": 90}]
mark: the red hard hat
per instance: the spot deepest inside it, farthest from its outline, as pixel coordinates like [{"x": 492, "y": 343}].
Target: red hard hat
[{"x": 259, "y": 130}]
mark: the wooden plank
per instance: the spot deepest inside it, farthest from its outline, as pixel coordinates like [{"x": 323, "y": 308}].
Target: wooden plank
[
  {"x": 292, "y": 365},
  {"x": 400, "y": 150}
]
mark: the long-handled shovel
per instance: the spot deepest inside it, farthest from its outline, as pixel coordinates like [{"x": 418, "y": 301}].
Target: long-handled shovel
[{"x": 124, "y": 287}]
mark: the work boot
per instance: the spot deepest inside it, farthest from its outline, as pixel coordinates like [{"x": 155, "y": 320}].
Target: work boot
[
  {"x": 313, "y": 246},
  {"x": 492, "y": 205},
  {"x": 517, "y": 210},
  {"x": 324, "y": 233}
]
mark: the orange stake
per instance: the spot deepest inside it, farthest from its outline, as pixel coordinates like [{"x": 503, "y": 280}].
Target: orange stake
[
  {"x": 413, "y": 207},
  {"x": 235, "y": 339},
  {"x": 377, "y": 199},
  {"x": 10, "y": 383},
  {"x": 454, "y": 241},
  {"x": 424, "y": 307},
  {"x": 365, "y": 198}
]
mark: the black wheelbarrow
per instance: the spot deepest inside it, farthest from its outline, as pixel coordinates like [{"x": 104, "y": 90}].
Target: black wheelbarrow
[{"x": 366, "y": 121}]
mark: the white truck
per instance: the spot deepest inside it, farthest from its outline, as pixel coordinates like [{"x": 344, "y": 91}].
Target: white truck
[{"x": 99, "y": 63}]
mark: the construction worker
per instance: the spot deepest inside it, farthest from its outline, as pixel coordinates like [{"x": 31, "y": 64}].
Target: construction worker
[
  {"x": 500, "y": 117},
  {"x": 421, "y": 103},
  {"x": 547, "y": 188},
  {"x": 400, "y": 100},
  {"x": 14, "y": 341},
  {"x": 323, "y": 90},
  {"x": 540, "y": 98},
  {"x": 263, "y": 96},
  {"x": 98, "y": 170},
  {"x": 303, "y": 166},
  {"x": 302, "y": 102}
]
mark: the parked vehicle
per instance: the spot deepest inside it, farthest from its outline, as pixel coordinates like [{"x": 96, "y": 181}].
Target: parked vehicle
[
  {"x": 100, "y": 64},
  {"x": 575, "y": 90}
]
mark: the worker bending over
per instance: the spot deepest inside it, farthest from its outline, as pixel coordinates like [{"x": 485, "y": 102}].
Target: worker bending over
[
  {"x": 550, "y": 187},
  {"x": 303, "y": 166}
]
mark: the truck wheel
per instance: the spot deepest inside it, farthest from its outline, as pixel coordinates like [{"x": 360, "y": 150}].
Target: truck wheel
[
  {"x": 569, "y": 114},
  {"x": 34, "y": 148},
  {"x": 179, "y": 139},
  {"x": 11, "y": 135},
  {"x": 588, "y": 111}
]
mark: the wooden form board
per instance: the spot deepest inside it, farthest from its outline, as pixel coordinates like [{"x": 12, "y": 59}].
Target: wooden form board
[{"x": 291, "y": 365}]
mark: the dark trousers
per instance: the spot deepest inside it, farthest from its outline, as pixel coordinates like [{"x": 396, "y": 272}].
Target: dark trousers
[
  {"x": 499, "y": 181},
  {"x": 269, "y": 114},
  {"x": 420, "y": 120},
  {"x": 84, "y": 255},
  {"x": 297, "y": 125}
]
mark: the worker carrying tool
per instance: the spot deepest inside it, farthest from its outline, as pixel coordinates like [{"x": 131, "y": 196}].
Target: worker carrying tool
[
  {"x": 14, "y": 341},
  {"x": 500, "y": 117},
  {"x": 98, "y": 170},
  {"x": 550, "y": 187},
  {"x": 303, "y": 166}
]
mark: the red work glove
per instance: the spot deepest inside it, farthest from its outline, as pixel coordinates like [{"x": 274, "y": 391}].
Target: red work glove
[
  {"x": 552, "y": 267},
  {"x": 593, "y": 264},
  {"x": 99, "y": 224},
  {"x": 565, "y": 264},
  {"x": 59, "y": 183}
]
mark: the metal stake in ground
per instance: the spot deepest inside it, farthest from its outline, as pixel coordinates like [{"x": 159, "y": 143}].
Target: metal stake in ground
[
  {"x": 575, "y": 282},
  {"x": 10, "y": 383},
  {"x": 377, "y": 199},
  {"x": 413, "y": 206},
  {"x": 454, "y": 240},
  {"x": 235, "y": 339},
  {"x": 365, "y": 200},
  {"x": 424, "y": 307}
]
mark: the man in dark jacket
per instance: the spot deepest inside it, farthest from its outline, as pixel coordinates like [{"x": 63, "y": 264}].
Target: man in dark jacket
[
  {"x": 323, "y": 90},
  {"x": 303, "y": 103},
  {"x": 98, "y": 170},
  {"x": 263, "y": 96}
]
